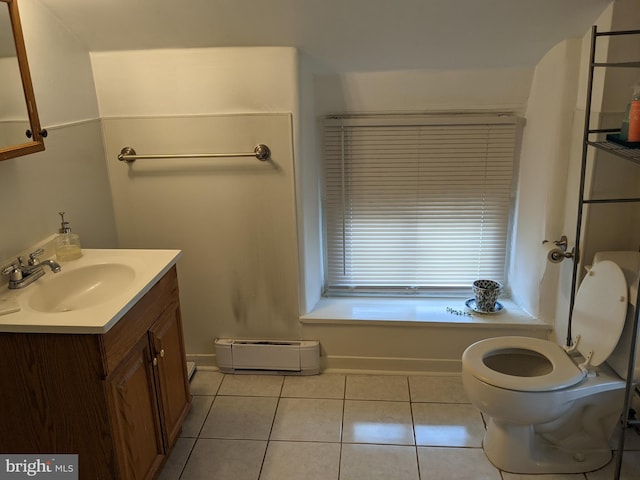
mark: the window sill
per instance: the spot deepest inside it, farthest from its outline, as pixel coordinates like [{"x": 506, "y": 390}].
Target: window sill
[{"x": 415, "y": 311}]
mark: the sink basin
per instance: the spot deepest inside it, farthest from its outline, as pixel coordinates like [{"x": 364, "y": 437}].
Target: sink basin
[{"x": 80, "y": 288}]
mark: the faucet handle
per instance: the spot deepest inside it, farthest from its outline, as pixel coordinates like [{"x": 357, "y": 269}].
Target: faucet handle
[
  {"x": 33, "y": 260},
  {"x": 9, "y": 268},
  {"x": 14, "y": 271}
]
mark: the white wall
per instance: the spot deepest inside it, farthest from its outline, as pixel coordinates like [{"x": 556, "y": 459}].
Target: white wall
[
  {"x": 234, "y": 219},
  {"x": 396, "y": 91},
  {"x": 423, "y": 90},
  {"x": 13, "y": 104},
  {"x": 202, "y": 99},
  {"x": 173, "y": 97},
  {"x": 617, "y": 226},
  {"x": 542, "y": 178},
  {"x": 604, "y": 228},
  {"x": 70, "y": 174},
  {"x": 365, "y": 346},
  {"x": 308, "y": 171},
  {"x": 551, "y": 149},
  {"x": 195, "y": 81},
  {"x": 60, "y": 68}
]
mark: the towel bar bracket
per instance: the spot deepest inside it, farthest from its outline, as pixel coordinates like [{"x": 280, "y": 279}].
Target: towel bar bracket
[{"x": 262, "y": 152}]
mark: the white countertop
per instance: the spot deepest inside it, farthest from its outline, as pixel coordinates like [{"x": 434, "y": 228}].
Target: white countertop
[{"x": 148, "y": 267}]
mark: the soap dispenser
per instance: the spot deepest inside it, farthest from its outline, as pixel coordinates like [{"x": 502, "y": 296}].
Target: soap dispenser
[{"x": 67, "y": 243}]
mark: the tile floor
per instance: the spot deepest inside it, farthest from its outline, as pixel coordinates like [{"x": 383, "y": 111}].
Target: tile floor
[{"x": 341, "y": 427}]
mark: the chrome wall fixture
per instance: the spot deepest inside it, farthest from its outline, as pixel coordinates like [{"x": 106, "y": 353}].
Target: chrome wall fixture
[
  {"x": 261, "y": 152},
  {"x": 557, "y": 250}
]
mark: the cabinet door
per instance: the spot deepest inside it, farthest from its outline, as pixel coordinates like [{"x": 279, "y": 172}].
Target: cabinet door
[
  {"x": 134, "y": 409},
  {"x": 171, "y": 371}
]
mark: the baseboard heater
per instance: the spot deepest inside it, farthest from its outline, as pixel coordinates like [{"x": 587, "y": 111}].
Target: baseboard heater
[{"x": 268, "y": 356}]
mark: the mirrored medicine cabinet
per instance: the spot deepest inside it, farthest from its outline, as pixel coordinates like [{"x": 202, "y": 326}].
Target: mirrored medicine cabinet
[{"x": 20, "y": 132}]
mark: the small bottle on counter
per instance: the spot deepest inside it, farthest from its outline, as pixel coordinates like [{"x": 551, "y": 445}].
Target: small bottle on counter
[{"x": 67, "y": 243}]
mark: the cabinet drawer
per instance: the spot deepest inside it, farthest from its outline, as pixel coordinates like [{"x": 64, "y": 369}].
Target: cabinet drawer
[{"x": 118, "y": 341}]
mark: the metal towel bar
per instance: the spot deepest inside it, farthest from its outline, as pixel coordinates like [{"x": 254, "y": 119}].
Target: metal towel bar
[{"x": 261, "y": 152}]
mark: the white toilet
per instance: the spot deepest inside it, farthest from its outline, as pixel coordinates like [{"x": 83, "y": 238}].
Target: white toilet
[{"x": 553, "y": 411}]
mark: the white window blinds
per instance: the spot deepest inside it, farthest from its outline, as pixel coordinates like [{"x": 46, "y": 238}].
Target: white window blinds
[{"x": 417, "y": 204}]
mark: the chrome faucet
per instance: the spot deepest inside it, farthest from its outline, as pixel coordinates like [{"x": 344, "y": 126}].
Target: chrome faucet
[{"x": 21, "y": 275}]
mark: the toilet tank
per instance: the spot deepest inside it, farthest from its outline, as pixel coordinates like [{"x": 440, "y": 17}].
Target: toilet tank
[{"x": 629, "y": 262}]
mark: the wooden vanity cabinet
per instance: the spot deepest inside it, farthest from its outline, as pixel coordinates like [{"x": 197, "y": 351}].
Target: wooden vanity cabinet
[
  {"x": 167, "y": 341},
  {"x": 148, "y": 389},
  {"x": 138, "y": 432},
  {"x": 117, "y": 399}
]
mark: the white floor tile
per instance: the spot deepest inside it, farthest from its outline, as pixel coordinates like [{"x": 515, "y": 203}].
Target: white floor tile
[
  {"x": 301, "y": 460},
  {"x": 443, "y": 389},
  {"x": 337, "y": 427},
  {"x": 314, "y": 386},
  {"x": 205, "y": 383},
  {"x": 225, "y": 460},
  {"x": 177, "y": 459},
  {"x": 200, "y": 405},
  {"x": 631, "y": 438},
  {"x": 550, "y": 476},
  {"x": 447, "y": 425},
  {"x": 630, "y": 468},
  {"x": 306, "y": 419},
  {"x": 377, "y": 387},
  {"x": 378, "y": 462},
  {"x": 377, "y": 422},
  {"x": 247, "y": 418},
  {"x": 438, "y": 463},
  {"x": 252, "y": 385}
]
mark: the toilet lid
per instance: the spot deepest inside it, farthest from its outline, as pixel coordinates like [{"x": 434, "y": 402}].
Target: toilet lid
[
  {"x": 560, "y": 373},
  {"x": 600, "y": 311}
]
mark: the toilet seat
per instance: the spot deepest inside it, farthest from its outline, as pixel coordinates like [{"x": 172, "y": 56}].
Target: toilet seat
[
  {"x": 598, "y": 319},
  {"x": 600, "y": 312},
  {"x": 564, "y": 372}
]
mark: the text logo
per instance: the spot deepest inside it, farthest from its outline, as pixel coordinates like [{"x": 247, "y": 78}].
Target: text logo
[{"x": 43, "y": 467}]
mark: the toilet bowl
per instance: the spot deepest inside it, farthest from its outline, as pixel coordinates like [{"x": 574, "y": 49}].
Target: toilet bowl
[{"x": 550, "y": 409}]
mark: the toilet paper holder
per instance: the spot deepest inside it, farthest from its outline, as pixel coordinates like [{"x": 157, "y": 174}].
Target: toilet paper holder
[{"x": 557, "y": 250}]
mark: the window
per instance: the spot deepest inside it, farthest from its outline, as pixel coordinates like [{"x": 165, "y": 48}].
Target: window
[{"x": 417, "y": 204}]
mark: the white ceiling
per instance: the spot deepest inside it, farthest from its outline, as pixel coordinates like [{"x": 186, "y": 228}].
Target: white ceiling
[{"x": 341, "y": 35}]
